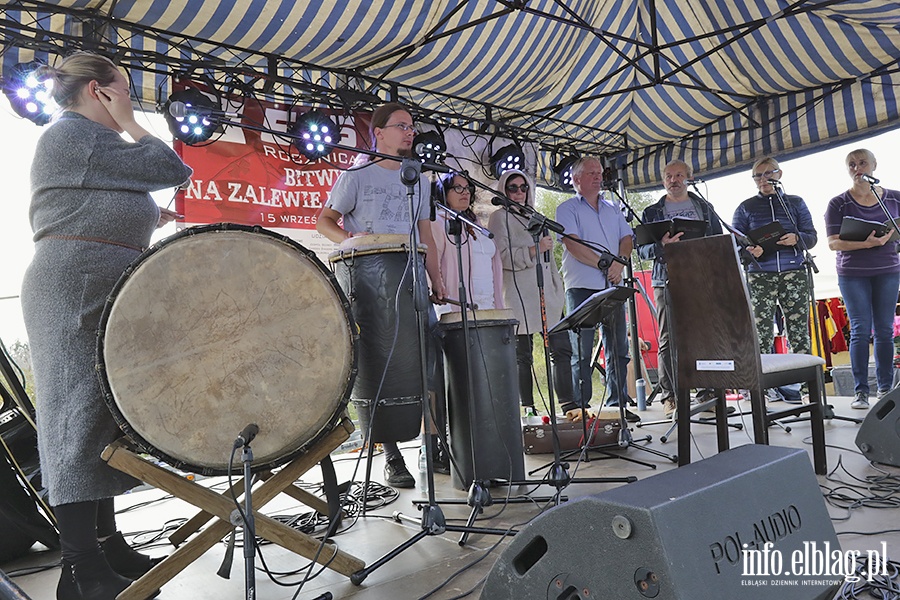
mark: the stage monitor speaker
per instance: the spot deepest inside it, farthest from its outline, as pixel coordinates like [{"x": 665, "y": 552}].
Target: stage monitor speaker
[
  {"x": 680, "y": 535},
  {"x": 878, "y": 437}
]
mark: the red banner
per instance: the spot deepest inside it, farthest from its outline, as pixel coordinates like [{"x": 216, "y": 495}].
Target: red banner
[{"x": 252, "y": 175}]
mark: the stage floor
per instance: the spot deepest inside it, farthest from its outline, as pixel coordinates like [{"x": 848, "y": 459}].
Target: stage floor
[{"x": 432, "y": 560}]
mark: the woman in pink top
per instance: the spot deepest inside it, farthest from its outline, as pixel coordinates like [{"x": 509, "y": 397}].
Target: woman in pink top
[{"x": 481, "y": 266}]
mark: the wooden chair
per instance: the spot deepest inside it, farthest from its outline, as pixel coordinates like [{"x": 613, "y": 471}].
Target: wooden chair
[{"x": 716, "y": 347}]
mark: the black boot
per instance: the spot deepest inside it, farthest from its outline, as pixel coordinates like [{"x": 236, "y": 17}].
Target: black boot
[
  {"x": 90, "y": 578},
  {"x": 125, "y": 560}
]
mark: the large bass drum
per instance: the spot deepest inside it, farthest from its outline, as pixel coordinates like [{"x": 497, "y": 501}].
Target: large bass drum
[{"x": 218, "y": 327}]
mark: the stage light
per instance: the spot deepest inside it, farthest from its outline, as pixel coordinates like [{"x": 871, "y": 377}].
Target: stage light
[
  {"x": 563, "y": 171},
  {"x": 313, "y": 134},
  {"x": 188, "y": 113},
  {"x": 29, "y": 96},
  {"x": 506, "y": 158},
  {"x": 430, "y": 147}
]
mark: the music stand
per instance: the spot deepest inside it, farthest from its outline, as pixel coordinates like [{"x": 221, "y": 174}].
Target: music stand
[{"x": 600, "y": 308}]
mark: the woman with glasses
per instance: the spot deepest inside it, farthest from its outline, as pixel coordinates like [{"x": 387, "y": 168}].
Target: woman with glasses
[
  {"x": 778, "y": 275},
  {"x": 868, "y": 273},
  {"x": 481, "y": 266},
  {"x": 520, "y": 290}
]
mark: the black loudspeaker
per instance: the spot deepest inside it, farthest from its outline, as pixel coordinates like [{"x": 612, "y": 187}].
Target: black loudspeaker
[
  {"x": 680, "y": 535},
  {"x": 879, "y": 435}
]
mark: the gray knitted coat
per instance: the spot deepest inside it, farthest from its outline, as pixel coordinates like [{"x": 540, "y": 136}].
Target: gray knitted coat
[{"x": 87, "y": 182}]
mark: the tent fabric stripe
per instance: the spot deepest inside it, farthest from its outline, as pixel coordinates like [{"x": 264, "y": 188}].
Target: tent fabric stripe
[{"x": 717, "y": 62}]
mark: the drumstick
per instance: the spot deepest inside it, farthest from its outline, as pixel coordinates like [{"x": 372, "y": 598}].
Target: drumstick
[{"x": 458, "y": 303}]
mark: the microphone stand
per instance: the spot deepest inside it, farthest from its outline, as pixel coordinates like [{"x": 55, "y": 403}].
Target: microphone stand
[
  {"x": 632, "y": 281},
  {"x": 872, "y": 182},
  {"x": 810, "y": 267},
  {"x": 479, "y": 496},
  {"x": 558, "y": 475},
  {"x": 246, "y": 436},
  {"x": 558, "y": 469},
  {"x": 626, "y": 439}
]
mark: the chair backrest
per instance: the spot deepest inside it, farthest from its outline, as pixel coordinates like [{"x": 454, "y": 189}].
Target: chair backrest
[{"x": 712, "y": 329}]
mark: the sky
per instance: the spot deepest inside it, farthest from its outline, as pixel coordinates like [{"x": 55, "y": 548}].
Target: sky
[{"x": 816, "y": 178}]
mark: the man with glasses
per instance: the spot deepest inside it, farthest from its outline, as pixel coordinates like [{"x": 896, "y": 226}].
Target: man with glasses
[
  {"x": 372, "y": 199},
  {"x": 677, "y": 202},
  {"x": 778, "y": 277},
  {"x": 590, "y": 217}
]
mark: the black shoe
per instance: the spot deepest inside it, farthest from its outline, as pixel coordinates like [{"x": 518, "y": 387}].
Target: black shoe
[
  {"x": 91, "y": 578},
  {"x": 125, "y": 560},
  {"x": 397, "y": 475},
  {"x": 631, "y": 417}
]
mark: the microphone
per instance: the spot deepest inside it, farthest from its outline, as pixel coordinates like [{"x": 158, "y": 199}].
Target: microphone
[
  {"x": 693, "y": 181},
  {"x": 544, "y": 233},
  {"x": 499, "y": 201},
  {"x": 611, "y": 184},
  {"x": 179, "y": 111},
  {"x": 774, "y": 182},
  {"x": 246, "y": 435},
  {"x": 870, "y": 179}
]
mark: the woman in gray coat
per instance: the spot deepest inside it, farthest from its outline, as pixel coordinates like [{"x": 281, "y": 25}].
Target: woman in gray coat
[
  {"x": 520, "y": 291},
  {"x": 92, "y": 215}
]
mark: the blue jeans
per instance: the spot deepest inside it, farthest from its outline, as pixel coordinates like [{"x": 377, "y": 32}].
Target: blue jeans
[
  {"x": 870, "y": 303},
  {"x": 616, "y": 353}
]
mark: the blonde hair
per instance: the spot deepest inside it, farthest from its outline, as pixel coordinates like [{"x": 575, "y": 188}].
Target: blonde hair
[
  {"x": 766, "y": 160},
  {"x": 860, "y": 153},
  {"x": 74, "y": 72}
]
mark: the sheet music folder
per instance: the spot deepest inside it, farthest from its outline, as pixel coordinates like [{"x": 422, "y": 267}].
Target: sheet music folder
[
  {"x": 596, "y": 309},
  {"x": 652, "y": 232},
  {"x": 857, "y": 230},
  {"x": 767, "y": 236}
]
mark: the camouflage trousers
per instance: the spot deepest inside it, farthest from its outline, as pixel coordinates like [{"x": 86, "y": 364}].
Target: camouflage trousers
[{"x": 789, "y": 289}]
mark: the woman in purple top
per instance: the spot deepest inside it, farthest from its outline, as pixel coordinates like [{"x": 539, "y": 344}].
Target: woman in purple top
[{"x": 868, "y": 274}]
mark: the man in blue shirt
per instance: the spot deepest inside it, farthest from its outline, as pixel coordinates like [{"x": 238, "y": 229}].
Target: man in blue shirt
[{"x": 590, "y": 217}]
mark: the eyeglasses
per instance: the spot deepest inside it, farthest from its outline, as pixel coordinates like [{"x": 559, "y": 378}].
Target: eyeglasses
[
  {"x": 404, "y": 127},
  {"x": 459, "y": 189},
  {"x": 766, "y": 175},
  {"x": 517, "y": 188}
]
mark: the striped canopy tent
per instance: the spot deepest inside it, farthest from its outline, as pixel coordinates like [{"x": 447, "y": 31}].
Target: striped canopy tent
[{"x": 714, "y": 83}]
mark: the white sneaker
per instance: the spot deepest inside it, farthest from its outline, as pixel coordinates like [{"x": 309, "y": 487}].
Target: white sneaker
[
  {"x": 881, "y": 394},
  {"x": 861, "y": 401}
]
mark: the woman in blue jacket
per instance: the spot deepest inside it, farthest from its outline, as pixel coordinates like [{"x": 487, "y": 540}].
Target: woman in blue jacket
[{"x": 779, "y": 275}]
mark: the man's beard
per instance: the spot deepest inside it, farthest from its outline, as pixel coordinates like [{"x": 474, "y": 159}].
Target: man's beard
[{"x": 405, "y": 152}]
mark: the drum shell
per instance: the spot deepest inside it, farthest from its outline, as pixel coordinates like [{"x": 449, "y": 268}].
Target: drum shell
[
  {"x": 372, "y": 272},
  {"x": 215, "y": 328},
  {"x": 495, "y": 423}
]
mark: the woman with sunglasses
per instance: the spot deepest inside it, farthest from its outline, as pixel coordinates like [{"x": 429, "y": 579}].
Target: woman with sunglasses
[
  {"x": 778, "y": 276},
  {"x": 482, "y": 270},
  {"x": 868, "y": 273},
  {"x": 520, "y": 290}
]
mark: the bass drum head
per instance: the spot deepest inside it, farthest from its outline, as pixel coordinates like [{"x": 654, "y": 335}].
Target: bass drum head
[{"x": 218, "y": 327}]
